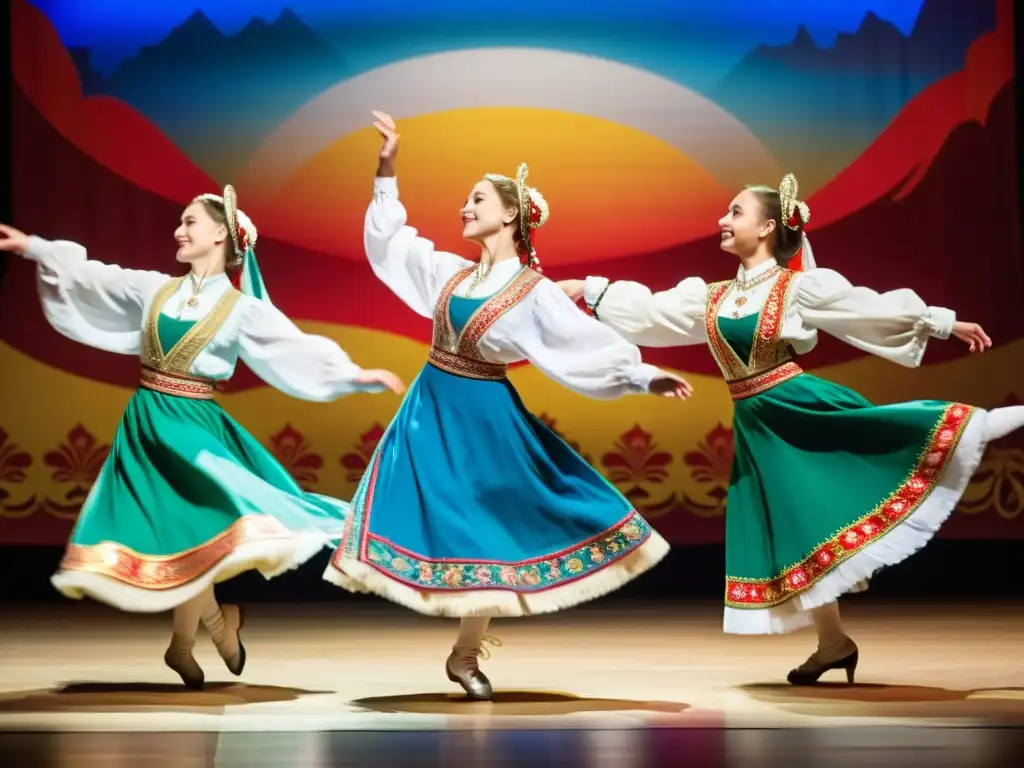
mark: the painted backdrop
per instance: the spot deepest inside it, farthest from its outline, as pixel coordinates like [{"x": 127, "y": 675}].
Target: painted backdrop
[{"x": 639, "y": 121}]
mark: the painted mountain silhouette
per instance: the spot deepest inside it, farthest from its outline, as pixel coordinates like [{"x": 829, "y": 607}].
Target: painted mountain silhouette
[
  {"x": 90, "y": 77},
  {"x": 112, "y": 132},
  {"x": 900, "y": 156},
  {"x": 815, "y": 108},
  {"x": 217, "y": 96}
]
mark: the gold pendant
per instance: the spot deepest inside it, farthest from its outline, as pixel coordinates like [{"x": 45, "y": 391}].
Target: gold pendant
[
  {"x": 741, "y": 300},
  {"x": 192, "y": 301}
]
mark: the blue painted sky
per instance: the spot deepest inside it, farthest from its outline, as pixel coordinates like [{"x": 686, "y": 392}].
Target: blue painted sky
[{"x": 371, "y": 32}]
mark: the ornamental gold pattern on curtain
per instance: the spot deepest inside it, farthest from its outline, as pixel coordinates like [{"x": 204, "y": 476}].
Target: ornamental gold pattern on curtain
[{"x": 674, "y": 483}]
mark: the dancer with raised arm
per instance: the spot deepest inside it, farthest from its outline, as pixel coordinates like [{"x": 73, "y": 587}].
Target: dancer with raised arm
[
  {"x": 826, "y": 488},
  {"x": 471, "y": 507},
  {"x": 187, "y": 498}
]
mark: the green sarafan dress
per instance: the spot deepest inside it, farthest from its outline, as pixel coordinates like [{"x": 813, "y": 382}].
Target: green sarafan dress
[
  {"x": 826, "y": 488},
  {"x": 186, "y": 498}
]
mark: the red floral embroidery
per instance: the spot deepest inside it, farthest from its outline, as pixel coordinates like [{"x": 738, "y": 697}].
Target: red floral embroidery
[{"x": 750, "y": 593}]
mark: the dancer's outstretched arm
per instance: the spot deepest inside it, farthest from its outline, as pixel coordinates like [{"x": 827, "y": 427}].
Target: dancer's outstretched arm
[
  {"x": 672, "y": 318},
  {"x": 87, "y": 301},
  {"x": 299, "y": 364},
  {"x": 579, "y": 352},
  {"x": 895, "y": 325}
]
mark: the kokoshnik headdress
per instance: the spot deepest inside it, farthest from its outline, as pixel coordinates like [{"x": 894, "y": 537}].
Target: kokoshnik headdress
[
  {"x": 533, "y": 214},
  {"x": 796, "y": 216},
  {"x": 243, "y": 242}
]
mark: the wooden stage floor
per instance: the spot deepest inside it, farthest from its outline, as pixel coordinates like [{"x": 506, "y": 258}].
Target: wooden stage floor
[{"x": 79, "y": 669}]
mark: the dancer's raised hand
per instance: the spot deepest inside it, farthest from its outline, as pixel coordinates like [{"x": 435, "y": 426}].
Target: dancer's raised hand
[{"x": 384, "y": 123}]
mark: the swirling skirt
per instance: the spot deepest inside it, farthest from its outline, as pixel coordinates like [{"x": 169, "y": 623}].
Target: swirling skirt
[
  {"x": 826, "y": 489},
  {"x": 472, "y": 506},
  {"x": 187, "y": 498}
]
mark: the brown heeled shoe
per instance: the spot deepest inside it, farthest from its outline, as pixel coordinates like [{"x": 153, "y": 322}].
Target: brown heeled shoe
[{"x": 811, "y": 670}]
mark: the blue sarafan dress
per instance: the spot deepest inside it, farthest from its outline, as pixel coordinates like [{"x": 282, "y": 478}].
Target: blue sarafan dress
[{"x": 470, "y": 504}]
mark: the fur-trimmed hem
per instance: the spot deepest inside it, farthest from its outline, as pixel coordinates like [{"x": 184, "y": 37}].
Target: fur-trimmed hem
[
  {"x": 270, "y": 557},
  {"x": 356, "y": 576}
]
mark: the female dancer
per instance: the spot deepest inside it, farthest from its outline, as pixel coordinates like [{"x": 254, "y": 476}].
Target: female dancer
[
  {"x": 826, "y": 488},
  {"x": 471, "y": 507},
  {"x": 186, "y": 497}
]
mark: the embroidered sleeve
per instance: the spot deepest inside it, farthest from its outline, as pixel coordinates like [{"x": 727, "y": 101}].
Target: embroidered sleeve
[
  {"x": 576, "y": 350},
  {"x": 299, "y": 364},
  {"x": 90, "y": 302},
  {"x": 405, "y": 262},
  {"x": 671, "y": 318},
  {"x": 894, "y": 325}
]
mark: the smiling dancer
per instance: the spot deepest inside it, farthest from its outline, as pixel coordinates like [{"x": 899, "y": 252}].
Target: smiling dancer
[
  {"x": 187, "y": 498},
  {"x": 826, "y": 488},
  {"x": 471, "y": 507}
]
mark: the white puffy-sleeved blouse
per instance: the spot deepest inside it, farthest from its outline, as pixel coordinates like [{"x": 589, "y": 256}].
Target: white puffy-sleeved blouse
[
  {"x": 106, "y": 306},
  {"x": 545, "y": 327},
  {"x": 894, "y": 325}
]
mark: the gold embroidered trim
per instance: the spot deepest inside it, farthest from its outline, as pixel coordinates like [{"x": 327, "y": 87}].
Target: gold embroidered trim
[
  {"x": 720, "y": 349},
  {"x": 152, "y": 352},
  {"x": 762, "y": 382},
  {"x": 159, "y": 572},
  {"x": 444, "y": 333},
  {"x": 467, "y": 367},
  {"x": 489, "y": 313},
  {"x": 179, "y": 359},
  {"x": 177, "y": 385},
  {"x": 894, "y": 510},
  {"x": 767, "y": 351},
  {"x": 464, "y": 344}
]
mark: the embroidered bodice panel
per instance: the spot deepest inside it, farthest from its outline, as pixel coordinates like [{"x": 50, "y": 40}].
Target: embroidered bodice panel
[
  {"x": 764, "y": 349},
  {"x": 465, "y": 342}
]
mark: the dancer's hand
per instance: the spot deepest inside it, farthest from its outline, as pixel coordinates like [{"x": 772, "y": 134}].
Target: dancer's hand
[
  {"x": 384, "y": 123},
  {"x": 572, "y": 288},
  {"x": 973, "y": 334},
  {"x": 378, "y": 376},
  {"x": 12, "y": 240},
  {"x": 668, "y": 385}
]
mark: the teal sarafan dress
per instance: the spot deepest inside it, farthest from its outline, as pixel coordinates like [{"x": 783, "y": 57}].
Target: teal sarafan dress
[
  {"x": 826, "y": 488},
  {"x": 186, "y": 497},
  {"x": 470, "y": 504}
]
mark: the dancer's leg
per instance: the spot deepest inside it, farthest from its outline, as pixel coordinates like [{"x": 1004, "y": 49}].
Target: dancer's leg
[
  {"x": 223, "y": 623},
  {"x": 463, "y": 665},
  {"x": 179, "y": 656}
]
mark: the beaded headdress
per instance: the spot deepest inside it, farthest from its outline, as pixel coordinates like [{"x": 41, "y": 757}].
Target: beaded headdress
[
  {"x": 243, "y": 241},
  {"x": 533, "y": 212},
  {"x": 788, "y": 190},
  {"x": 243, "y": 231},
  {"x": 796, "y": 215}
]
